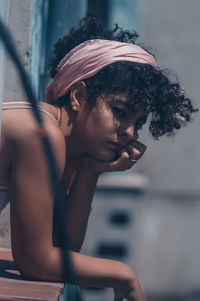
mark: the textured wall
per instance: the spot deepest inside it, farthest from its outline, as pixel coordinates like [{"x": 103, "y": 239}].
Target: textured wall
[
  {"x": 19, "y": 24},
  {"x": 161, "y": 238},
  {"x": 171, "y": 28}
]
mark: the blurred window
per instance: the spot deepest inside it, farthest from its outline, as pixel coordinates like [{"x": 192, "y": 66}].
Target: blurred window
[
  {"x": 51, "y": 20},
  {"x": 125, "y": 13}
]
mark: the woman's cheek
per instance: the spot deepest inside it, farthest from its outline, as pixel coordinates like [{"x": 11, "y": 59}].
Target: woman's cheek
[{"x": 104, "y": 154}]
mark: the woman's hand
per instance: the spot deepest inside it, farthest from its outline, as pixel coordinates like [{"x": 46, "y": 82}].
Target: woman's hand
[
  {"x": 129, "y": 295},
  {"x": 127, "y": 158},
  {"x": 133, "y": 293}
]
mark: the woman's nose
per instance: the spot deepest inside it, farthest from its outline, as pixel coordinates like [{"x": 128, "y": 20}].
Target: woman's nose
[{"x": 129, "y": 132}]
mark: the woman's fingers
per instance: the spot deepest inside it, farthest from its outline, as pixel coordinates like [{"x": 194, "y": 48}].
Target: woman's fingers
[
  {"x": 123, "y": 162},
  {"x": 136, "y": 150},
  {"x": 127, "y": 158},
  {"x": 139, "y": 147}
]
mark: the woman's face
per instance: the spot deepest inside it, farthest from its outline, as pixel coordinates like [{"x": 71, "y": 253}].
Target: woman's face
[{"x": 109, "y": 126}]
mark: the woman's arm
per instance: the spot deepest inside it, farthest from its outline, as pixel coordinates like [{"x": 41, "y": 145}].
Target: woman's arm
[
  {"x": 78, "y": 203},
  {"x": 32, "y": 225},
  {"x": 78, "y": 206}
]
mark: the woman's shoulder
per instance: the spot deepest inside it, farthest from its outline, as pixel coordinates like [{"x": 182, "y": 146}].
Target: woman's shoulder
[
  {"x": 20, "y": 131},
  {"x": 18, "y": 119}
]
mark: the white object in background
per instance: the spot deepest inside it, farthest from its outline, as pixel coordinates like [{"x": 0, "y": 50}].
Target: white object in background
[{"x": 123, "y": 180}]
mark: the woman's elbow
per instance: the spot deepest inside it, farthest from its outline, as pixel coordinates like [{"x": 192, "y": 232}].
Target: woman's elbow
[
  {"x": 32, "y": 270},
  {"x": 35, "y": 267}
]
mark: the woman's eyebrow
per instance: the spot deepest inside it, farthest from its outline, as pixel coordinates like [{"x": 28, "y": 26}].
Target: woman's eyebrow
[
  {"x": 123, "y": 102},
  {"x": 128, "y": 106}
]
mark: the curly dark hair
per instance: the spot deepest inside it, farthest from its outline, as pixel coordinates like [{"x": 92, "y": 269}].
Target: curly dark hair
[{"x": 145, "y": 84}]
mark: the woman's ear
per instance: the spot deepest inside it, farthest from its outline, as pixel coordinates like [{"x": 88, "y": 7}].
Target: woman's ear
[{"x": 78, "y": 95}]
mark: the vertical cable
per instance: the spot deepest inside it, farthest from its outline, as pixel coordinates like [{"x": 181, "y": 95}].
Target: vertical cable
[
  {"x": 68, "y": 271},
  {"x": 4, "y": 12}
]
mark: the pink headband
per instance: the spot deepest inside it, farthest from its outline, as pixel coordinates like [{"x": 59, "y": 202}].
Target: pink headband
[{"x": 88, "y": 58}]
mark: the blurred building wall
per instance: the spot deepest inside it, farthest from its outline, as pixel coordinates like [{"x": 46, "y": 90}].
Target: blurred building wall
[
  {"x": 18, "y": 17},
  {"x": 168, "y": 257},
  {"x": 171, "y": 29},
  {"x": 162, "y": 238},
  {"x": 18, "y": 21}
]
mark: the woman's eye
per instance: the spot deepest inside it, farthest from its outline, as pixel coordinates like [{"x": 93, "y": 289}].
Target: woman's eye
[{"x": 119, "y": 112}]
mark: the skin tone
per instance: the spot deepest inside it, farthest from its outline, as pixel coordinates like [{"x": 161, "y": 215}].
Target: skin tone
[{"x": 86, "y": 141}]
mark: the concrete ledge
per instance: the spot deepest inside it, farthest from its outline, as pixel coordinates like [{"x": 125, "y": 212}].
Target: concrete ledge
[{"x": 13, "y": 287}]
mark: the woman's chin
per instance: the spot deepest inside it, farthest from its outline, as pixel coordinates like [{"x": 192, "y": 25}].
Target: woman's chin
[{"x": 107, "y": 156}]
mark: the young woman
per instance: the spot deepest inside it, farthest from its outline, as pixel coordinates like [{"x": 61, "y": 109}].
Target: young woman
[{"x": 104, "y": 87}]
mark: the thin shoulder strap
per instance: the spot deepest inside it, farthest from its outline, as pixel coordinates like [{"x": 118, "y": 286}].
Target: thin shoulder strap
[
  {"x": 14, "y": 102},
  {"x": 26, "y": 106}
]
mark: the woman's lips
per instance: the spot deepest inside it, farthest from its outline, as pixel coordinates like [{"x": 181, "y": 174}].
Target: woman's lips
[{"x": 116, "y": 146}]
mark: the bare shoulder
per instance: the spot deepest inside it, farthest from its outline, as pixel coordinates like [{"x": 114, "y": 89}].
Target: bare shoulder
[{"x": 21, "y": 134}]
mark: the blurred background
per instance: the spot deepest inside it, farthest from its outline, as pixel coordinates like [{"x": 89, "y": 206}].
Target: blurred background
[{"x": 148, "y": 217}]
